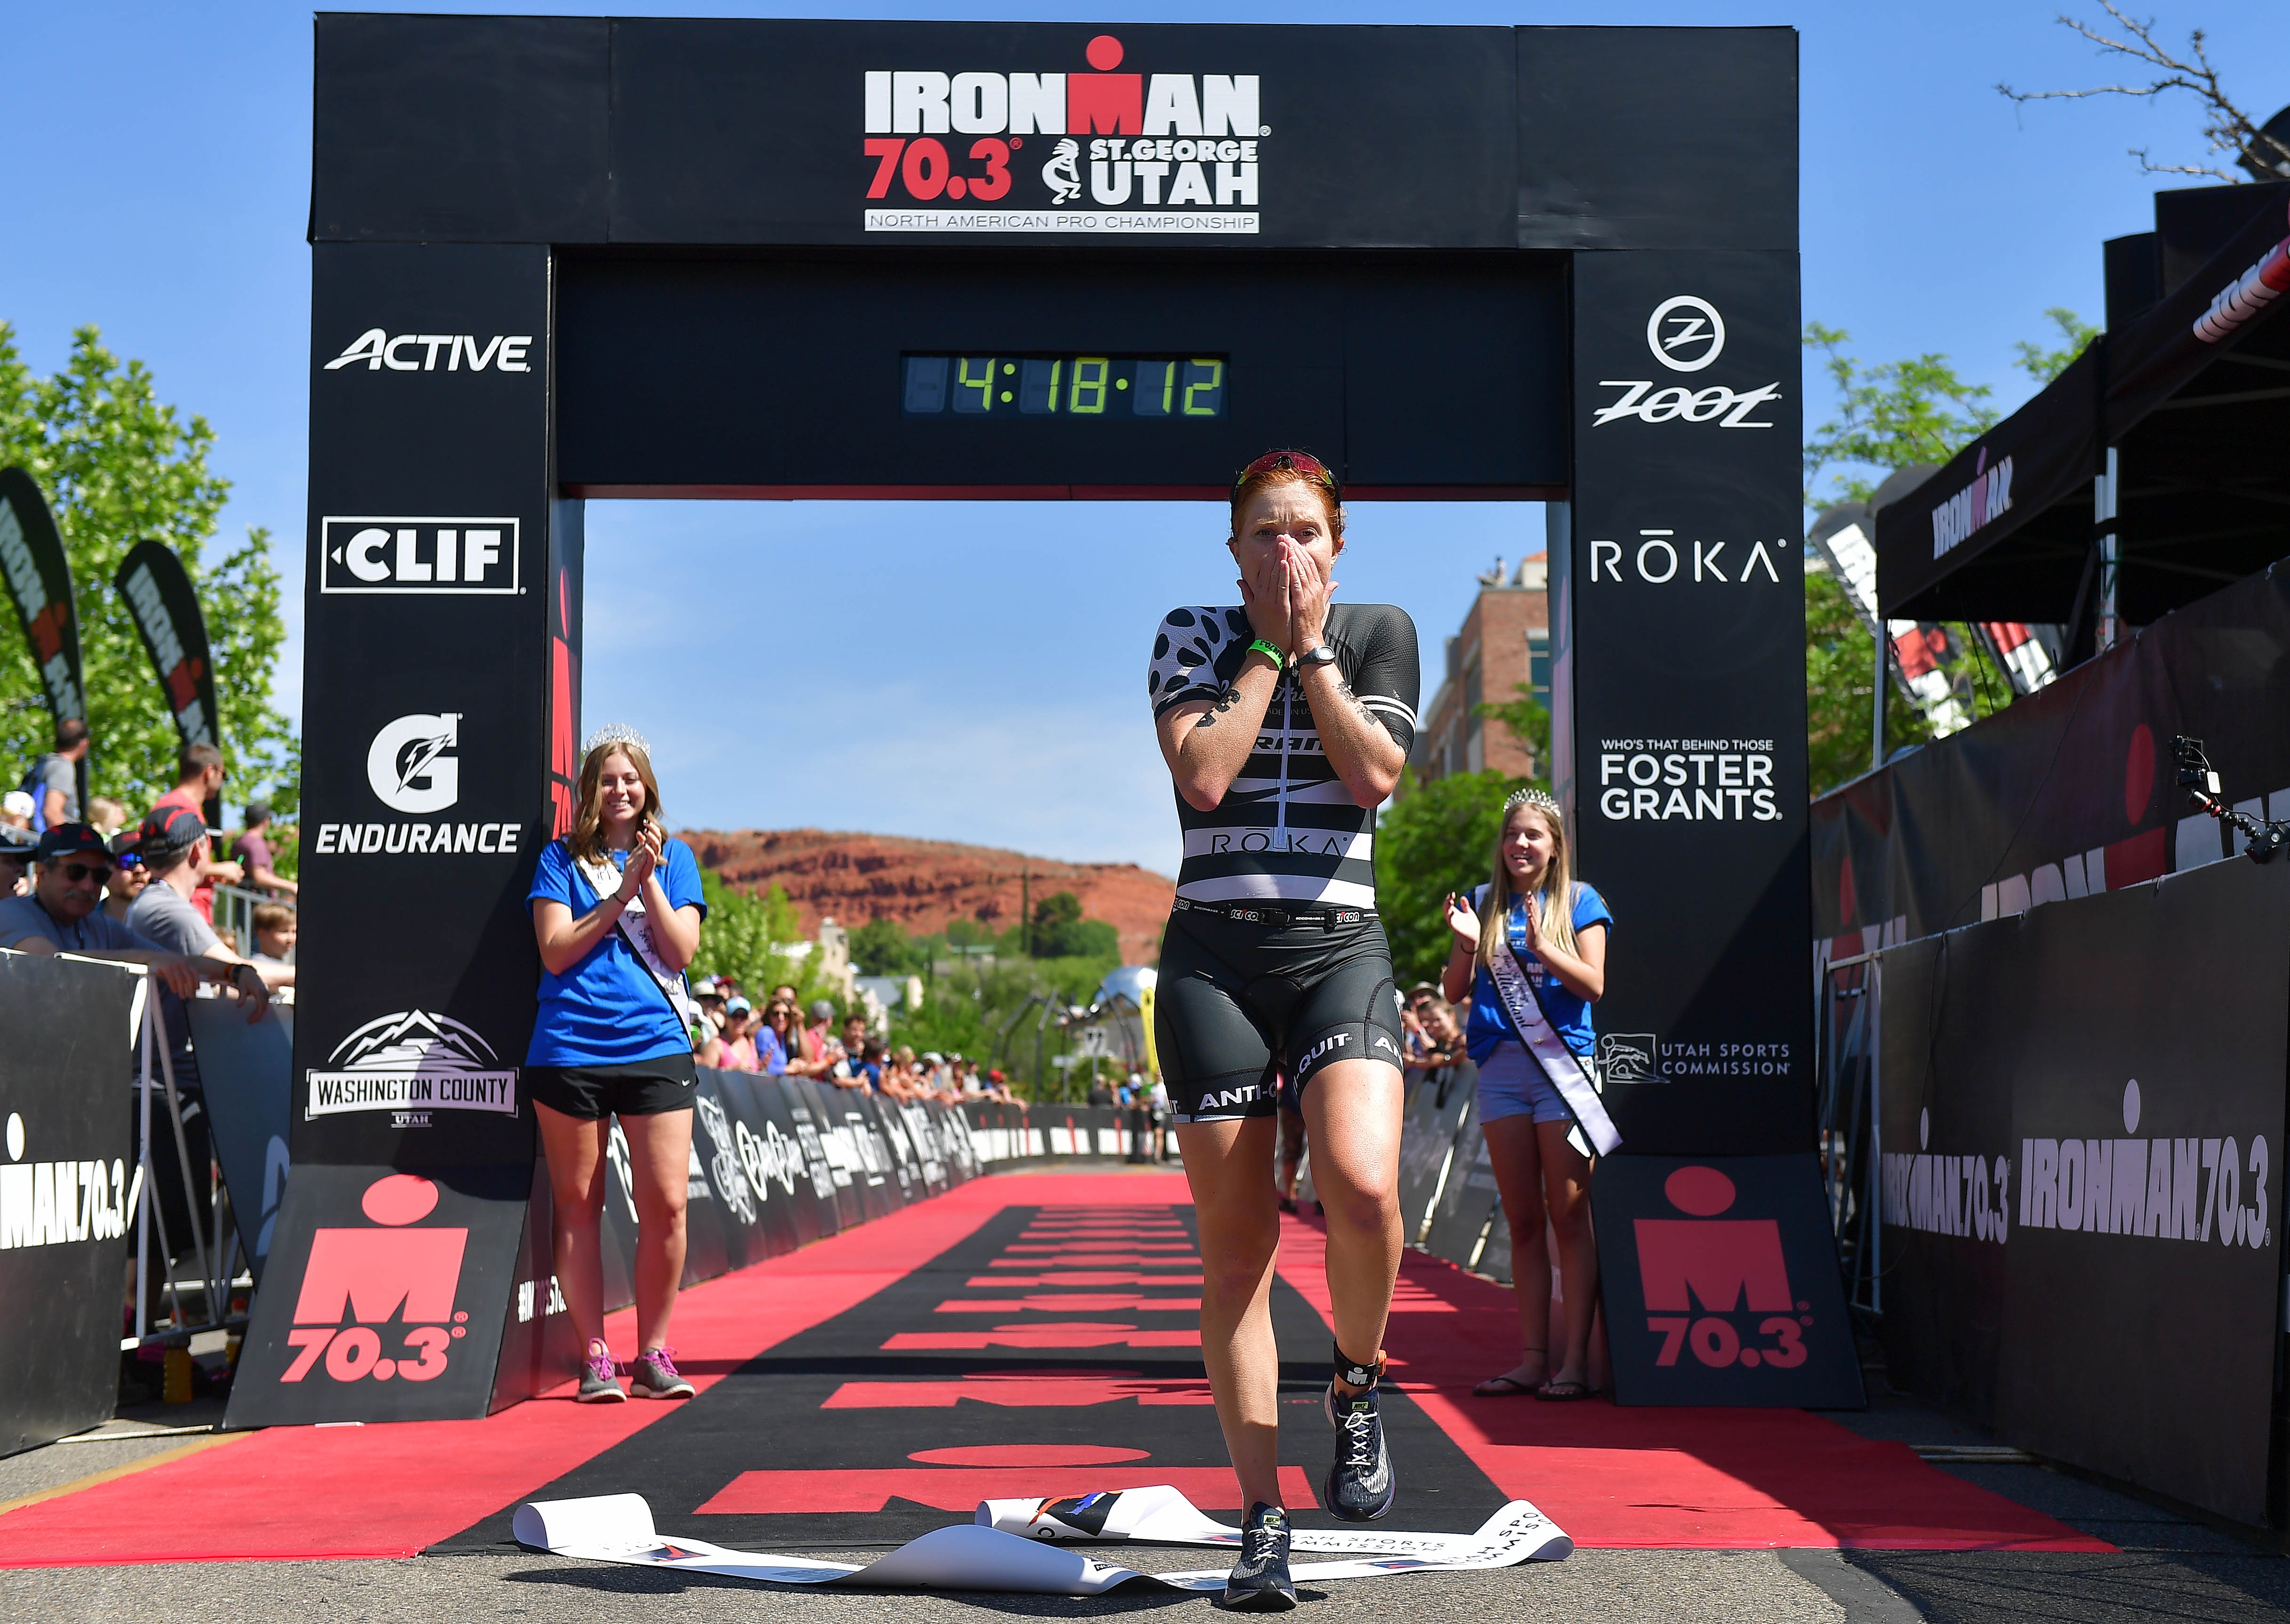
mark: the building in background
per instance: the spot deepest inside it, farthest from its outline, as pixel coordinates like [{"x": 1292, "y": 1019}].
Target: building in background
[{"x": 1504, "y": 640}]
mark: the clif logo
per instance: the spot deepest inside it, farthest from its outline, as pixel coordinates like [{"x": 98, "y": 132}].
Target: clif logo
[
  {"x": 455, "y": 558},
  {"x": 1186, "y": 143},
  {"x": 1702, "y": 1273},
  {"x": 373, "y": 1276}
]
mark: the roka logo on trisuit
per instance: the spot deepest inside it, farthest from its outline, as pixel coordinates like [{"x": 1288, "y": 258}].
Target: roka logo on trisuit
[{"x": 1165, "y": 152}]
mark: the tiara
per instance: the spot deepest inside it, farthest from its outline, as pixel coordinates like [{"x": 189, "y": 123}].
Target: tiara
[
  {"x": 1535, "y": 798},
  {"x": 615, "y": 732}
]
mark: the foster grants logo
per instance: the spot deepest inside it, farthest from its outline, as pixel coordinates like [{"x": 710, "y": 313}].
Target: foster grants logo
[
  {"x": 1100, "y": 152},
  {"x": 412, "y": 1063}
]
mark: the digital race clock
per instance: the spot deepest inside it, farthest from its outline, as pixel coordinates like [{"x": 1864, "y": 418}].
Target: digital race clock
[{"x": 1064, "y": 386}]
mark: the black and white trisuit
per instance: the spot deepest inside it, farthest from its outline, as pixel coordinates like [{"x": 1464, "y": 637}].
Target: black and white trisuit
[{"x": 1244, "y": 1000}]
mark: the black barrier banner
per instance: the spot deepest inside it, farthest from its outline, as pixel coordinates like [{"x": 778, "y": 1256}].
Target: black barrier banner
[
  {"x": 1461, "y": 1215},
  {"x": 40, "y": 585},
  {"x": 2068, "y": 792},
  {"x": 839, "y": 1144},
  {"x": 66, "y": 1156},
  {"x": 165, "y": 605},
  {"x": 540, "y": 1349},
  {"x": 246, "y": 1072},
  {"x": 1494, "y": 1257},
  {"x": 1437, "y": 1103},
  {"x": 788, "y": 1114},
  {"x": 392, "y": 1308},
  {"x": 887, "y": 1119},
  {"x": 1719, "y": 1280},
  {"x": 2081, "y": 1187},
  {"x": 770, "y": 1168},
  {"x": 706, "y": 1250},
  {"x": 1682, "y": 754}
]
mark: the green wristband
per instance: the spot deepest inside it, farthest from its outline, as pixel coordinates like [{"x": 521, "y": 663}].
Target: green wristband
[{"x": 1279, "y": 660}]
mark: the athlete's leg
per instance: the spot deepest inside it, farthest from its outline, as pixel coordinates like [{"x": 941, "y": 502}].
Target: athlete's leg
[
  {"x": 1227, "y": 1164},
  {"x": 1292, "y": 1148},
  {"x": 660, "y": 1158},
  {"x": 575, "y": 1148},
  {"x": 1566, "y": 1185},
  {"x": 1352, "y": 1112},
  {"x": 1516, "y": 1153}
]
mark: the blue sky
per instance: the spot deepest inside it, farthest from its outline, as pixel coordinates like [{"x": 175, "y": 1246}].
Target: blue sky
[{"x": 851, "y": 665}]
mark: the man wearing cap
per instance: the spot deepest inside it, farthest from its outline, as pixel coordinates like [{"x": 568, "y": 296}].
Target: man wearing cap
[
  {"x": 16, "y": 848},
  {"x": 61, "y": 914},
  {"x": 199, "y": 777},
  {"x": 174, "y": 846}
]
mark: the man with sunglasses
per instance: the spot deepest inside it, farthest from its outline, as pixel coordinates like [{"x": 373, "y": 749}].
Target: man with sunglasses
[{"x": 62, "y": 914}]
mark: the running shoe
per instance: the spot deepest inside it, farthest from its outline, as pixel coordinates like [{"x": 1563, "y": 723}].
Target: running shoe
[
  {"x": 1360, "y": 1485},
  {"x": 653, "y": 1376},
  {"x": 1259, "y": 1582},
  {"x": 600, "y": 1379}
]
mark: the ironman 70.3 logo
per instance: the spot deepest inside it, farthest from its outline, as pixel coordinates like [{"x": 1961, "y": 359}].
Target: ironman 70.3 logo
[{"x": 1102, "y": 151}]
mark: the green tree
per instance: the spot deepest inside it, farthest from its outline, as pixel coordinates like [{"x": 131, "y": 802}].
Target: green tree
[
  {"x": 119, "y": 467},
  {"x": 2044, "y": 364},
  {"x": 1436, "y": 838},
  {"x": 1839, "y": 677},
  {"x": 1529, "y": 721},
  {"x": 748, "y": 938},
  {"x": 1888, "y": 416},
  {"x": 882, "y": 946}
]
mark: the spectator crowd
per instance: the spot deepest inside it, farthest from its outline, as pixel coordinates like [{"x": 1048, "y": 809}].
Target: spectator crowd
[{"x": 783, "y": 1039}]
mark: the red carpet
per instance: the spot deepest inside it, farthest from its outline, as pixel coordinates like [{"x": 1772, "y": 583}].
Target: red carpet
[
  {"x": 1703, "y": 1477},
  {"x": 1616, "y": 1477}
]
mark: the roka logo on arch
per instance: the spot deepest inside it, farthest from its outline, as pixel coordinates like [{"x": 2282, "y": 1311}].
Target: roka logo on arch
[{"x": 1684, "y": 334}]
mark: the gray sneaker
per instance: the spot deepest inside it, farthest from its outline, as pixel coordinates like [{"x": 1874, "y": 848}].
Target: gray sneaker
[
  {"x": 1360, "y": 1485},
  {"x": 600, "y": 1381},
  {"x": 1259, "y": 1581},
  {"x": 653, "y": 1376}
]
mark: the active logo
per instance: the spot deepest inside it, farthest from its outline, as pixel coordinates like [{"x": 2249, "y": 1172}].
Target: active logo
[
  {"x": 379, "y": 350},
  {"x": 1167, "y": 153},
  {"x": 413, "y": 1060},
  {"x": 1707, "y": 1277},
  {"x": 453, "y": 557},
  {"x": 372, "y": 1277},
  {"x": 1685, "y": 334},
  {"x": 55, "y": 1204}
]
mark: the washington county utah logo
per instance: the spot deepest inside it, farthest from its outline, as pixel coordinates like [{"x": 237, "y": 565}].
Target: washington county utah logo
[
  {"x": 1104, "y": 152},
  {"x": 370, "y": 1277},
  {"x": 410, "y": 1064}
]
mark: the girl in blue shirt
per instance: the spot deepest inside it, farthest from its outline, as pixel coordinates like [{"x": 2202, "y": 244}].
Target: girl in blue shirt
[
  {"x": 616, "y": 909},
  {"x": 1535, "y": 907}
]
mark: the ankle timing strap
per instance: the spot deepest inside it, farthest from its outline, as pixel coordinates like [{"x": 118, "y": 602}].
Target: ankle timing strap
[{"x": 1352, "y": 1373}]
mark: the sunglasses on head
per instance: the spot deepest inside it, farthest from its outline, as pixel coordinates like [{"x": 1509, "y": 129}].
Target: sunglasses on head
[{"x": 1302, "y": 462}]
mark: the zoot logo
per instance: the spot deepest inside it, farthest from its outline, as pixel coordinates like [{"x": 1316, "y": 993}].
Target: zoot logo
[
  {"x": 1706, "y": 1277},
  {"x": 411, "y": 767},
  {"x": 362, "y": 554},
  {"x": 1171, "y": 152},
  {"x": 373, "y": 1276},
  {"x": 1684, "y": 334}
]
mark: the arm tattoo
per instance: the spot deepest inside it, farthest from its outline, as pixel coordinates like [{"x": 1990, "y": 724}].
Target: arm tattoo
[{"x": 1225, "y": 701}]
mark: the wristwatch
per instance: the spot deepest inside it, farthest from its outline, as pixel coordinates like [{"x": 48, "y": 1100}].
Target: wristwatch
[{"x": 1323, "y": 655}]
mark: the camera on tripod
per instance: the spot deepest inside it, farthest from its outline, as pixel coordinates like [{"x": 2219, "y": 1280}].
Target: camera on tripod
[{"x": 2262, "y": 837}]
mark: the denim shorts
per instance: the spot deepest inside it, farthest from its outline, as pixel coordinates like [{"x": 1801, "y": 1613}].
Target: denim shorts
[{"x": 1511, "y": 1084}]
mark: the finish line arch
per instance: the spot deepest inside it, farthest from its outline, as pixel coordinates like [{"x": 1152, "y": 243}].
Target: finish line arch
[{"x": 562, "y": 258}]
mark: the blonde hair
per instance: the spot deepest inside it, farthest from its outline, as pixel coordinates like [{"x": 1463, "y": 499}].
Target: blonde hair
[
  {"x": 1557, "y": 880},
  {"x": 587, "y": 839}
]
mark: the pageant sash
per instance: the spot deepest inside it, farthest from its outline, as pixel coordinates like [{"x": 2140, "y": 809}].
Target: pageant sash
[
  {"x": 635, "y": 928},
  {"x": 1567, "y": 1071}
]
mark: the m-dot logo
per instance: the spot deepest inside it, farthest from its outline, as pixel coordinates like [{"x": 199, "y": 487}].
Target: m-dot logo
[
  {"x": 1113, "y": 153},
  {"x": 393, "y": 1278}
]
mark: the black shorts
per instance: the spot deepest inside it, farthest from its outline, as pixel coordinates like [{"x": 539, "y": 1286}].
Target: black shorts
[
  {"x": 1240, "y": 1008},
  {"x": 634, "y": 1088}
]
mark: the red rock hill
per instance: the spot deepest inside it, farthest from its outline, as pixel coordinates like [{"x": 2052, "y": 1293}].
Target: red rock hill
[{"x": 924, "y": 883}]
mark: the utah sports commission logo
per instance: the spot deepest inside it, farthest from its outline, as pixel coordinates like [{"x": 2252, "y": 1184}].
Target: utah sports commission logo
[{"x": 1097, "y": 151}]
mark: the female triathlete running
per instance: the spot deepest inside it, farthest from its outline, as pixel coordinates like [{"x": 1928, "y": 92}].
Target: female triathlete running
[
  {"x": 1285, "y": 721},
  {"x": 1530, "y": 950}
]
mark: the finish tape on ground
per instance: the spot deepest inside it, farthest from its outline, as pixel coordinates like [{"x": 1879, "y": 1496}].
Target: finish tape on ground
[
  {"x": 1163, "y": 1516},
  {"x": 976, "y": 1556}
]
